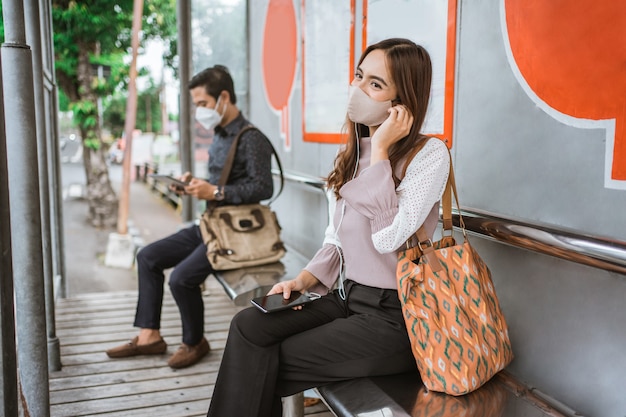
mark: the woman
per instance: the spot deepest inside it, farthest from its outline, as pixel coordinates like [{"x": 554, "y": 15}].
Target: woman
[{"x": 386, "y": 186}]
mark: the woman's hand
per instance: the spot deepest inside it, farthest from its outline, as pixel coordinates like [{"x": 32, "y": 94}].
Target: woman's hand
[
  {"x": 397, "y": 126},
  {"x": 301, "y": 283}
]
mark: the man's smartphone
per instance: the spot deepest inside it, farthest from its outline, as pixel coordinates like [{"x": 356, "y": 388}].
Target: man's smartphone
[
  {"x": 276, "y": 302},
  {"x": 169, "y": 180}
]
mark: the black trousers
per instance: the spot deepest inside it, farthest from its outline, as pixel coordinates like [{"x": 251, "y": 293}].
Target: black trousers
[
  {"x": 185, "y": 251},
  {"x": 269, "y": 356}
]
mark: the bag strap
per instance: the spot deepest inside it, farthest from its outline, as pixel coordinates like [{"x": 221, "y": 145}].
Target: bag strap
[
  {"x": 424, "y": 242},
  {"x": 230, "y": 158}
]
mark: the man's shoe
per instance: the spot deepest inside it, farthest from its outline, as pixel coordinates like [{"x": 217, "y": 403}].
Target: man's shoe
[
  {"x": 133, "y": 349},
  {"x": 188, "y": 355}
]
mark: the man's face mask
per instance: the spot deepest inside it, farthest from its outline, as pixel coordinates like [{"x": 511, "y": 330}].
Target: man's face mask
[
  {"x": 365, "y": 110},
  {"x": 209, "y": 118}
]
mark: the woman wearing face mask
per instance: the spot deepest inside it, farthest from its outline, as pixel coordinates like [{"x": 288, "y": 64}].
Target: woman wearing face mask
[
  {"x": 250, "y": 181},
  {"x": 387, "y": 181}
]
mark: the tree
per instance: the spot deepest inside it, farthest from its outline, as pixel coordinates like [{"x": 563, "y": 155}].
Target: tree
[
  {"x": 148, "y": 111},
  {"x": 89, "y": 35}
]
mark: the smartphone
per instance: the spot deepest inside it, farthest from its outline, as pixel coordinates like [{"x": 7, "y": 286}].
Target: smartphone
[
  {"x": 169, "y": 180},
  {"x": 276, "y": 302}
]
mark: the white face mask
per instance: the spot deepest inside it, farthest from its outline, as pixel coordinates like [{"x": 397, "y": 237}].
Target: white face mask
[
  {"x": 209, "y": 118},
  {"x": 365, "y": 110}
]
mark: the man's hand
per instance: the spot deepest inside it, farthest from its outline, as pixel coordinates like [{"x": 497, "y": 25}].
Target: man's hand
[
  {"x": 197, "y": 187},
  {"x": 200, "y": 189},
  {"x": 178, "y": 189}
]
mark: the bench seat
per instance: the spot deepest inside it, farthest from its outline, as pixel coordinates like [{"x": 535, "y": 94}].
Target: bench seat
[
  {"x": 404, "y": 395},
  {"x": 243, "y": 284}
]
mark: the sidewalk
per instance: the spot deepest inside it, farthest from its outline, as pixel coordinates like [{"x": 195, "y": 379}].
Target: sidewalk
[{"x": 85, "y": 245}]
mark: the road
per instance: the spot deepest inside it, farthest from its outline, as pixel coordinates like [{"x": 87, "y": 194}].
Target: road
[
  {"x": 150, "y": 217},
  {"x": 73, "y": 171}
]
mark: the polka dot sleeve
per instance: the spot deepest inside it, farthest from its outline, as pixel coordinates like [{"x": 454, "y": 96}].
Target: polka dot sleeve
[{"x": 396, "y": 214}]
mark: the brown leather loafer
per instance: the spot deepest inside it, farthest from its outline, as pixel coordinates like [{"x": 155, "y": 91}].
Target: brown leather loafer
[
  {"x": 188, "y": 355},
  {"x": 133, "y": 349}
]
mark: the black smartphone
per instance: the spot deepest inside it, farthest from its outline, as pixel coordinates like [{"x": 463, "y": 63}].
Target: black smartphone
[
  {"x": 169, "y": 180},
  {"x": 276, "y": 302}
]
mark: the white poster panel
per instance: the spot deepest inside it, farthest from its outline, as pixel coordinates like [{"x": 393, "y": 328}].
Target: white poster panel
[
  {"x": 327, "y": 25},
  {"x": 425, "y": 22}
]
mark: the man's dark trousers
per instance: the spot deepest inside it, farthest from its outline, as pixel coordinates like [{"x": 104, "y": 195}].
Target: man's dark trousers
[{"x": 186, "y": 253}]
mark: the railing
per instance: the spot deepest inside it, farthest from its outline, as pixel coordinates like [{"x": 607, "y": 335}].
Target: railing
[
  {"x": 594, "y": 251},
  {"x": 588, "y": 250}
]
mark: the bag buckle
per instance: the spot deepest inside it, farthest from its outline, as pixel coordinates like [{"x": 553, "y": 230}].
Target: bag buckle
[{"x": 426, "y": 244}]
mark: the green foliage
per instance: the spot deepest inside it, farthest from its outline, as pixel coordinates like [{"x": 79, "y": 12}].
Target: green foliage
[
  {"x": 148, "y": 112},
  {"x": 160, "y": 23},
  {"x": 85, "y": 113},
  {"x": 64, "y": 102},
  {"x": 101, "y": 31}
]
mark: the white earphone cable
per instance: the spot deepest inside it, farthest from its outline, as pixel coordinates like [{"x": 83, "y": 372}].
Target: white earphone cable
[{"x": 342, "y": 271}]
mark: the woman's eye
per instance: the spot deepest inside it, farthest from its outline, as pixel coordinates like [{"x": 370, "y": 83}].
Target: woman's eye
[
  {"x": 358, "y": 76},
  {"x": 376, "y": 85}
]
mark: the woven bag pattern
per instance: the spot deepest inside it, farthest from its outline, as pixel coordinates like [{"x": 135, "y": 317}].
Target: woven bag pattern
[{"x": 458, "y": 333}]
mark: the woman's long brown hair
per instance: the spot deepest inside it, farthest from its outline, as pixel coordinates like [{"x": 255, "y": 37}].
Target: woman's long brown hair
[{"x": 410, "y": 67}]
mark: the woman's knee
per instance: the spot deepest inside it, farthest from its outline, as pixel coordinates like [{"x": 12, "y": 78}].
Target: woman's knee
[{"x": 249, "y": 324}]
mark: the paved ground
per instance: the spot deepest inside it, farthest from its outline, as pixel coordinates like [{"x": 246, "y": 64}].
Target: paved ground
[{"x": 85, "y": 246}]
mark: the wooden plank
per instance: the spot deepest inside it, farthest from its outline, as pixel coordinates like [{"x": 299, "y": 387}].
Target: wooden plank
[
  {"x": 130, "y": 402},
  {"x": 191, "y": 409},
  {"x": 92, "y": 380},
  {"x": 172, "y": 382},
  {"x": 91, "y": 384}
]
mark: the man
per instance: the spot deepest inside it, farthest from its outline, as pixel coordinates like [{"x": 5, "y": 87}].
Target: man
[{"x": 250, "y": 181}]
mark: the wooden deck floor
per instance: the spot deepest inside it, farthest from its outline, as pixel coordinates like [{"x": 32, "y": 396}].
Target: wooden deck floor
[{"x": 91, "y": 384}]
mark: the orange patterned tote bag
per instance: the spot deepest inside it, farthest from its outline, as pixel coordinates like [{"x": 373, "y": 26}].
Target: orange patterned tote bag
[{"x": 458, "y": 333}]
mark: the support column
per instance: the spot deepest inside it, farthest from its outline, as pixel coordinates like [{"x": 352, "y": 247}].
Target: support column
[
  {"x": 54, "y": 155},
  {"x": 185, "y": 121},
  {"x": 24, "y": 207},
  {"x": 8, "y": 358},
  {"x": 33, "y": 38}
]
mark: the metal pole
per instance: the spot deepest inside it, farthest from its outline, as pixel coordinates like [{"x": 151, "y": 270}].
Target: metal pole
[
  {"x": 54, "y": 159},
  {"x": 26, "y": 243},
  {"x": 8, "y": 359},
  {"x": 33, "y": 37},
  {"x": 131, "y": 119},
  {"x": 58, "y": 246},
  {"x": 184, "y": 121}
]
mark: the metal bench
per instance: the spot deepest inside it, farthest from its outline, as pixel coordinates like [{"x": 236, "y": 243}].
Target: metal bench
[
  {"x": 404, "y": 395},
  {"x": 243, "y": 284}
]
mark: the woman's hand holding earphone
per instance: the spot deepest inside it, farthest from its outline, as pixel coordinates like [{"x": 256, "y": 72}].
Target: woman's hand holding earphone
[{"x": 394, "y": 128}]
